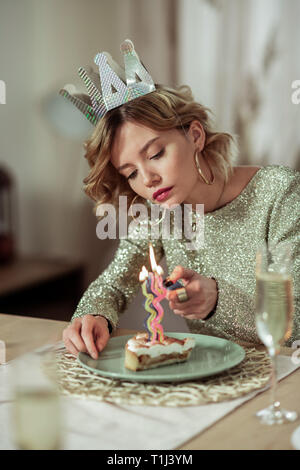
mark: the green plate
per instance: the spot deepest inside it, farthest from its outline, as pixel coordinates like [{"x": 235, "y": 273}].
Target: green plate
[{"x": 210, "y": 356}]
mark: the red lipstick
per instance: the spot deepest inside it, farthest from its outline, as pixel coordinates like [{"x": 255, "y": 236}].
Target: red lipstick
[{"x": 162, "y": 194}]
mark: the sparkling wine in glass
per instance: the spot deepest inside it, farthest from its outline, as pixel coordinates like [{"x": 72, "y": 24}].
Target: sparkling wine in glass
[
  {"x": 36, "y": 413},
  {"x": 274, "y": 315}
]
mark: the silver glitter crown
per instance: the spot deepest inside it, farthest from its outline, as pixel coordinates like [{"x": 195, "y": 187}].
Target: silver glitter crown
[{"x": 107, "y": 89}]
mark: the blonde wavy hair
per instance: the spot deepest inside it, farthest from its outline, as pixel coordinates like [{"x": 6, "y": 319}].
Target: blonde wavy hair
[{"x": 163, "y": 109}]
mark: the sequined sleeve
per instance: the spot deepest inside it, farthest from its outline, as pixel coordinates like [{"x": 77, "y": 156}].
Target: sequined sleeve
[
  {"x": 111, "y": 293},
  {"x": 285, "y": 227},
  {"x": 268, "y": 209}
]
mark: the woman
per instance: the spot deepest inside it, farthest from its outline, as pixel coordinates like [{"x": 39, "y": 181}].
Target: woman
[{"x": 163, "y": 143}]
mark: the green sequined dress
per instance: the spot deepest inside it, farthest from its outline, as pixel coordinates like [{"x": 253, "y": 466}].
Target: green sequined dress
[{"x": 267, "y": 209}]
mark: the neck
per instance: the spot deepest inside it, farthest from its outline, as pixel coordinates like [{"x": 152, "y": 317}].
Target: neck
[{"x": 212, "y": 196}]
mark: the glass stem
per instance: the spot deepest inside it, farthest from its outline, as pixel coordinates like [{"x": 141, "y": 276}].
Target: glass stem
[{"x": 273, "y": 378}]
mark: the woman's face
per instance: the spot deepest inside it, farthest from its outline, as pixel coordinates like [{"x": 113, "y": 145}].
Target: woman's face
[{"x": 153, "y": 160}]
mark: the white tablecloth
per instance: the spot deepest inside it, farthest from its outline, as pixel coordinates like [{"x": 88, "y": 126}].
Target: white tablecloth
[{"x": 88, "y": 424}]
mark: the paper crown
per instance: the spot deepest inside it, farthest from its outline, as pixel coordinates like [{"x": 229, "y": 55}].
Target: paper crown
[{"x": 112, "y": 87}]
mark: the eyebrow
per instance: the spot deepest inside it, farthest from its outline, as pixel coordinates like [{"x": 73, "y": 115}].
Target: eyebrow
[{"x": 146, "y": 146}]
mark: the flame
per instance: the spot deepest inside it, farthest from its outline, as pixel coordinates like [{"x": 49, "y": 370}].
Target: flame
[
  {"x": 160, "y": 270},
  {"x": 143, "y": 274},
  {"x": 155, "y": 268},
  {"x": 152, "y": 258}
]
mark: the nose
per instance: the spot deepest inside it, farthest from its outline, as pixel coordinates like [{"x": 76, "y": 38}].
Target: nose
[{"x": 151, "y": 179}]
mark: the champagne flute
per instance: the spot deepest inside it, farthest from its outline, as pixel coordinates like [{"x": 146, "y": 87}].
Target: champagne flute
[
  {"x": 274, "y": 315},
  {"x": 36, "y": 414}
]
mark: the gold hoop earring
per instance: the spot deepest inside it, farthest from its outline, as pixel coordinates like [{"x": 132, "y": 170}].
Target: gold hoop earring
[
  {"x": 130, "y": 207},
  {"x": 200, "y": 171},
  {"x": 160, "y": 220}
]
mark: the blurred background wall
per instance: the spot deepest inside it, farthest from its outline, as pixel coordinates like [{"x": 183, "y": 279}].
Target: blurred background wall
[{"x": 239, "y": 57}]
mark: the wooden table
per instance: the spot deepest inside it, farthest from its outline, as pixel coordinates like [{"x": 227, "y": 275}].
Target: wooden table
[{"x": 237, "y": 430}]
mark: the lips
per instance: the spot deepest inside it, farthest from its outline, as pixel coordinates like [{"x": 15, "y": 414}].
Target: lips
[{"x": 162, "y": 194}]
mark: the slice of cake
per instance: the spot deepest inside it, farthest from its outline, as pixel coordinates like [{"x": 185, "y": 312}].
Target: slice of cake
[{"x": 140, "y": 354}]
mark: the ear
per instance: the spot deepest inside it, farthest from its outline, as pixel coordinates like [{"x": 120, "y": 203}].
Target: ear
[{"x": 197, "y": 134}]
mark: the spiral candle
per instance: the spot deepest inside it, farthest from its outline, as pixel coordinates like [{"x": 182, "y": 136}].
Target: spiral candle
[
  {"x": 146, "y": 289},
  {"x": 159, "y": 291},
  {"x": 154, "y": 291}
]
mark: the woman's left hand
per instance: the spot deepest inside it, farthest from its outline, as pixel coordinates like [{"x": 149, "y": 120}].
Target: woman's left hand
[{"x": 202, "y": 294}]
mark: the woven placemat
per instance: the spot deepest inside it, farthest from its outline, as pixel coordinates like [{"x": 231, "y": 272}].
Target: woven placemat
[{"x": 251, "y": 374}]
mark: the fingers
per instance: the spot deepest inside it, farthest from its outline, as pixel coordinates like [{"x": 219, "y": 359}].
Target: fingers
[
  {"x": 190, "y": 307},
  {"x": 189, "y": 314},
  {"x": 88, "y": 337},
  {"x": 181, "y": 272},
  {"x": 70, "y": 346},
  {"x": 202, "y": 296},
  {"x": 192, "y": 289},
  {"x": 72, "y": 338},
  {"x": 176, "y": 305},
  {"x": 191, "y": 317},
  {"x": 101, "y": 333},
  {"x": 88, "y": 334},
  {"x": 102, "y": 340}
]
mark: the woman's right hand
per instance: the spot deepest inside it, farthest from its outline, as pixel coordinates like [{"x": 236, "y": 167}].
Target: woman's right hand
[{"x": 88, "y": 334}]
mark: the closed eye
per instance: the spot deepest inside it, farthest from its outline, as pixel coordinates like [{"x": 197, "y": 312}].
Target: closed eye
[
  {"x": 158, "y": 155},
  {"x": 132, "y": 175},
  {"x": 155, "y": 157}
]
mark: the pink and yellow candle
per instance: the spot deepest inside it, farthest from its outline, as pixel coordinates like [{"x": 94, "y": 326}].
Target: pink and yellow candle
[{"x": 154, "y": 292}]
